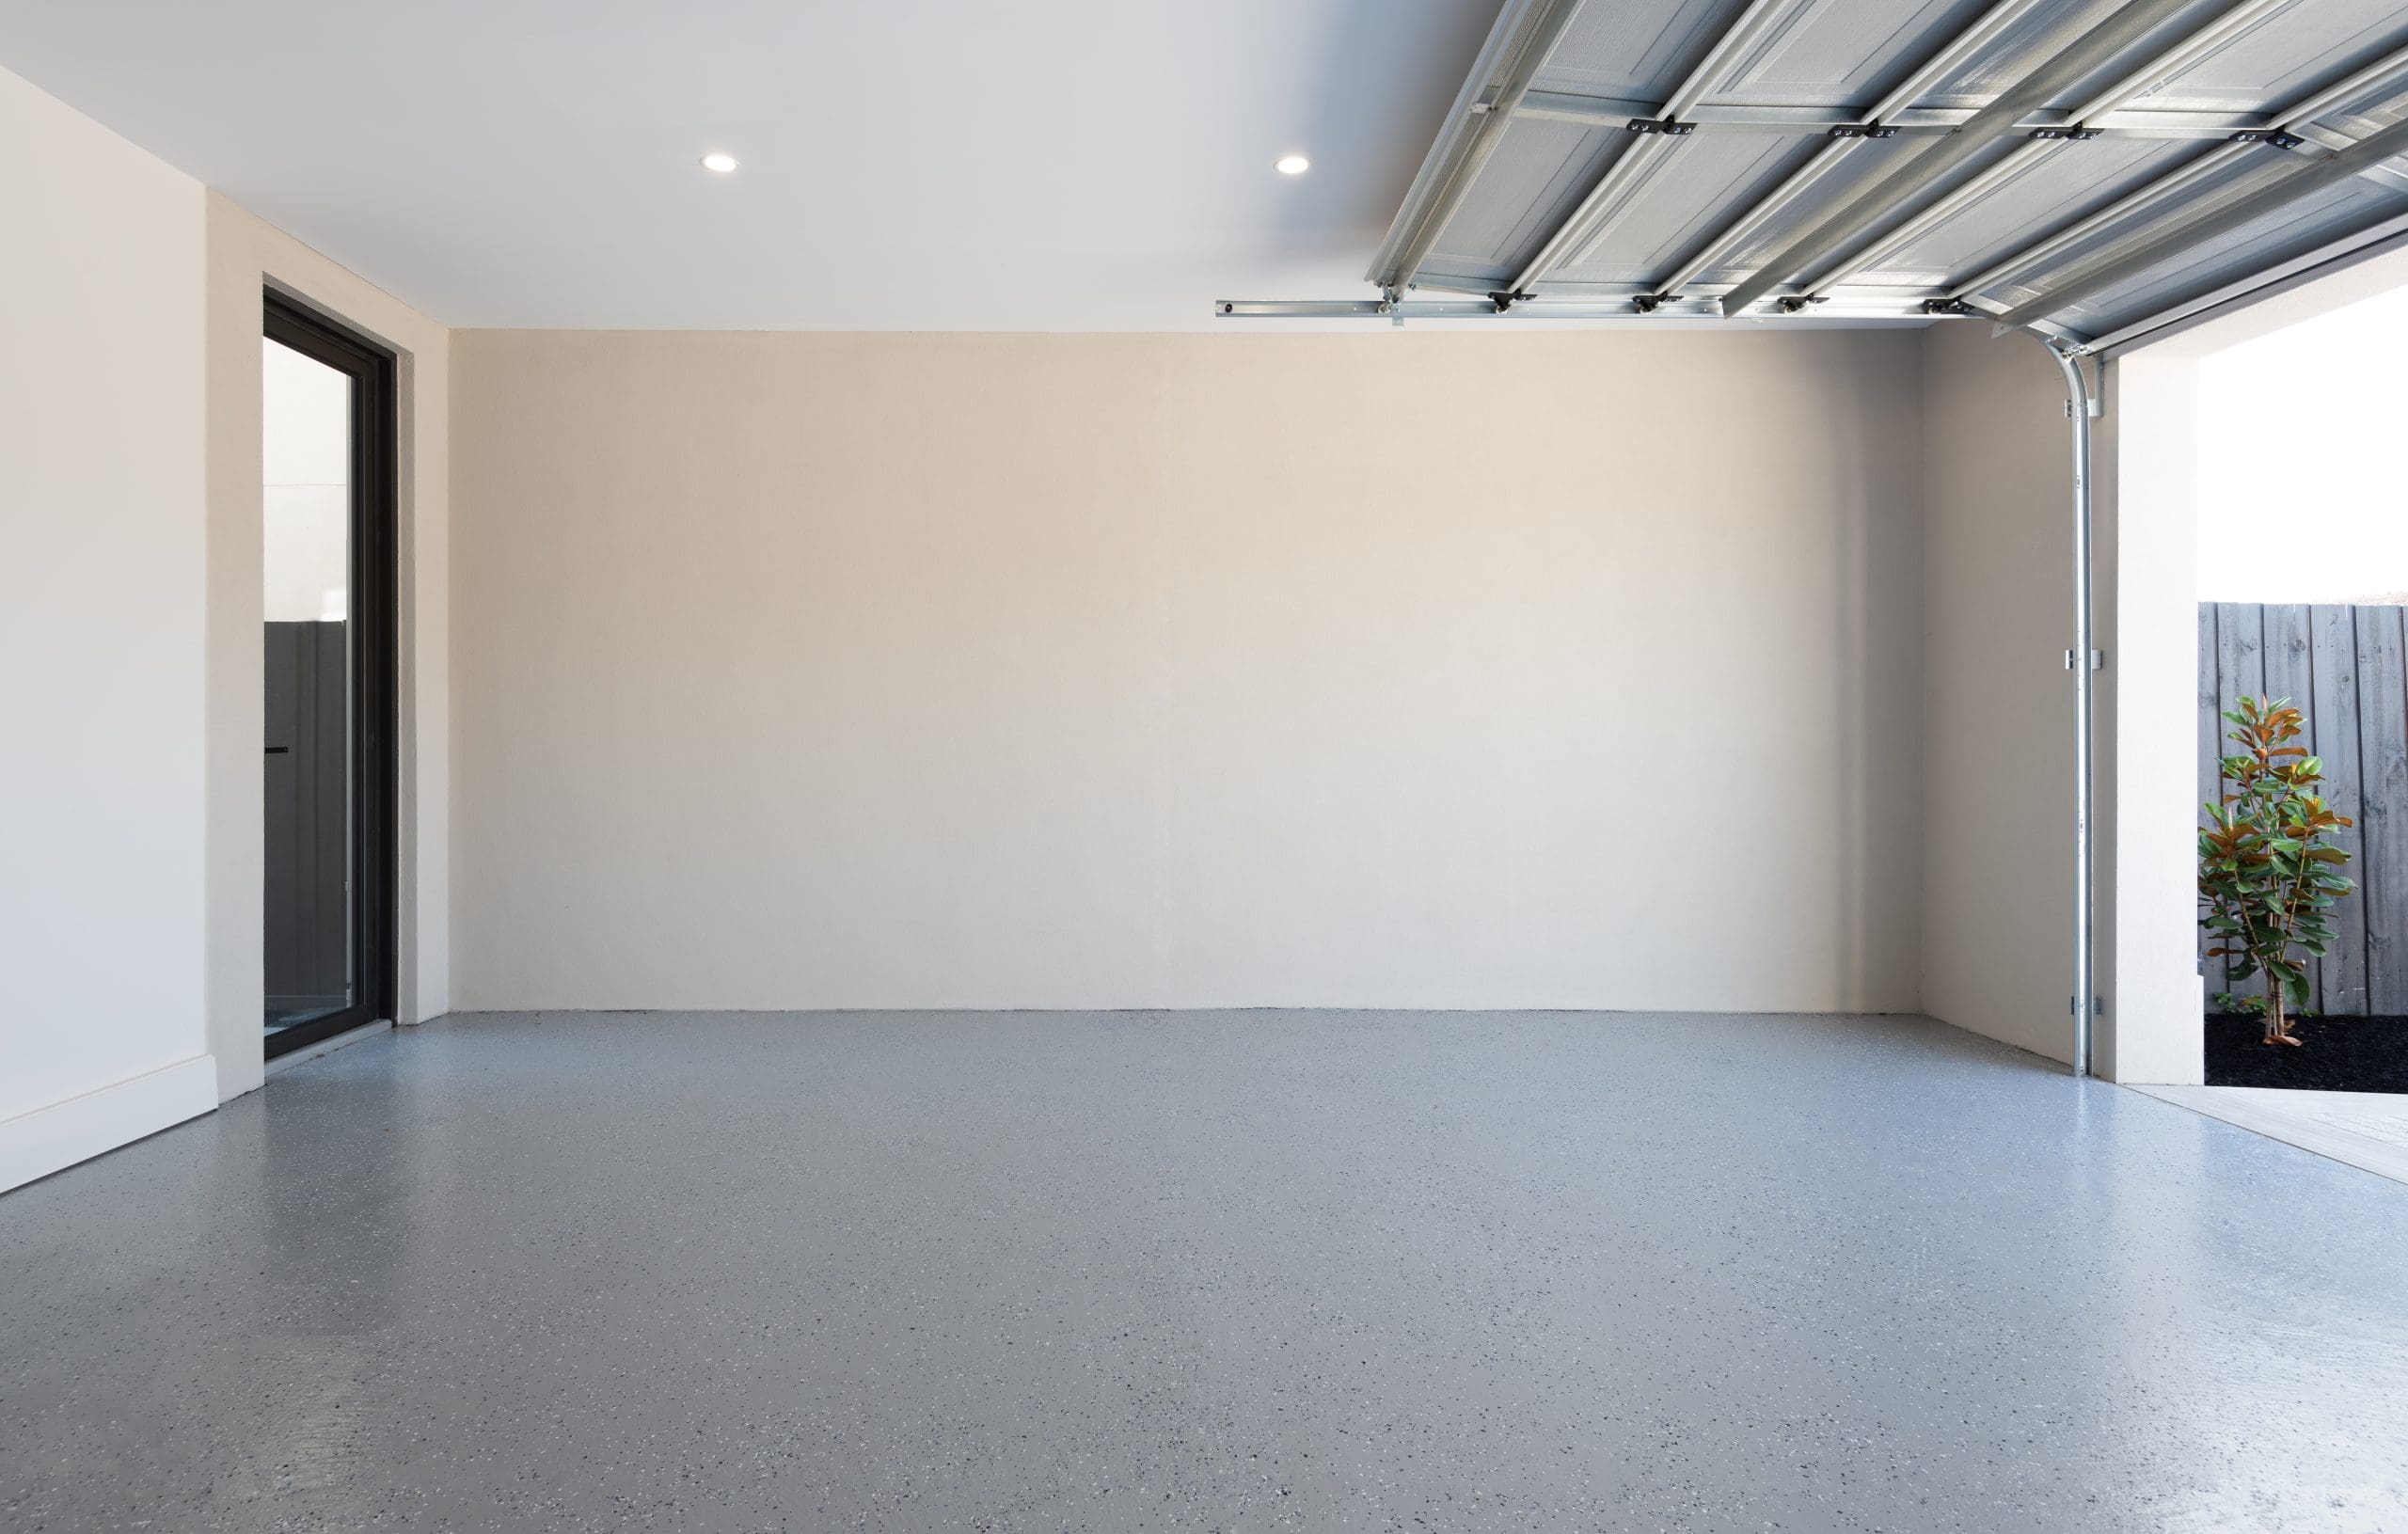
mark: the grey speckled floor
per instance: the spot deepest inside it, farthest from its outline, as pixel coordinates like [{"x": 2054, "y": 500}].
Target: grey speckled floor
[{"x": 1250, "y": 1271}]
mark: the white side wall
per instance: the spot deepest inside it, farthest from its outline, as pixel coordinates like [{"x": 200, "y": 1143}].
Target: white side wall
[
  {"x": 1397, "y": 669},
  {"x": 131, "y": 603},
  {"x": 101, "y": 529},
  {"x": 1998, "y": 705},
  {"x": 2148, "y": 959}
]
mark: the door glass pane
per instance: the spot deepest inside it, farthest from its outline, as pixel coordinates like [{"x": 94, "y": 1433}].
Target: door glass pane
[{"x": 306, "y": 460}]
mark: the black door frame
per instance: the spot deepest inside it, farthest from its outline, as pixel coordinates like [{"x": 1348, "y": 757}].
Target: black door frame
[{"x": 374, "y": 614}]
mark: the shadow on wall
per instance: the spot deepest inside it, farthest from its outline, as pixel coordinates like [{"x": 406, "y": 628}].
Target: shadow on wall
[{"x": 1366, "y": 144}]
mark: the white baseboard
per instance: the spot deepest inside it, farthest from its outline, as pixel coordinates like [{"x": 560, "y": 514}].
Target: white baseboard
[{"x": 36, "y": 1144}]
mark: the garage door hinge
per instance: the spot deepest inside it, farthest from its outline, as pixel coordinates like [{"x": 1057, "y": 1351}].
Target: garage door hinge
[{"x": 2098, "y": 659}]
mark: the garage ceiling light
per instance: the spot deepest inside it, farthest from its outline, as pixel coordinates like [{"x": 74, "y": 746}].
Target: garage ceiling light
[
  {"x": 719, "y": 162},
  {"x": 1292, "y": 165}
]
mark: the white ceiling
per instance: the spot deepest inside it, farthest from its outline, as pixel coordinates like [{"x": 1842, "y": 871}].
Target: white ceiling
[{"x": 949, "y": 165}]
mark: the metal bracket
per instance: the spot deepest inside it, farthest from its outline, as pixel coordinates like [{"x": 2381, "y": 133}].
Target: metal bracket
[
  {"x": 1795, "y": 303},
  {"x": 1862, "y": 130},
  {"x": 1500, "y": 302},
  {"x": 1946, "y": 305},
  {"x": 1661, "y": 125},
  {"x": 2075, "y": 132},
  {"x": 2098, "y": 659},
  {"x": 1648, "y": 303},
  {"x": 2275, "y": 136}
]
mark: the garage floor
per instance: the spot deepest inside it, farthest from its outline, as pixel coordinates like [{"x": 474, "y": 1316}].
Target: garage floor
[{"x": 1237, "y": 1271}]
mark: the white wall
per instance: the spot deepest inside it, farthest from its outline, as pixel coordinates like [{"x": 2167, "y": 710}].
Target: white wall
[
  {"x": 1997, "y": 883},
  {"x": 2333, "y": 491},
  {"x": 131, "y": 600},
  {"x": 1388, "y": 669},
  {"x": 102, "y": 527}
]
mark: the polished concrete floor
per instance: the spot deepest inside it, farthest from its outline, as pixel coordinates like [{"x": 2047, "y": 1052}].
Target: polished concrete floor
[
  {"x": 2365, "y": 1129},
  {"x": 1247, "y": 1271}
]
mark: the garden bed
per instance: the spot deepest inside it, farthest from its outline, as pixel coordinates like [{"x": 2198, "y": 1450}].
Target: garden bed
[{"x": 2336, "y": 1054}]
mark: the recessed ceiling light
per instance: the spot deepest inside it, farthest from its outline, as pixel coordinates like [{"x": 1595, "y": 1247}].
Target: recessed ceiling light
[
  {"x": 719, "y": 162},
  {"x": 1292, "y": 165}
]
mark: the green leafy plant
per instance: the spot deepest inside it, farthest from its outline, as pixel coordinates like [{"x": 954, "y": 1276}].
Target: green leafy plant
[{"x": 2267, "y": 876}]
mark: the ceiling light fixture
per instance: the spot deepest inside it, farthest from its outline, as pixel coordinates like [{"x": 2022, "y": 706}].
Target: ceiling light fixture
[
  {"x": 719, "y": 162},
  {"x": 1292, "y": 165}
]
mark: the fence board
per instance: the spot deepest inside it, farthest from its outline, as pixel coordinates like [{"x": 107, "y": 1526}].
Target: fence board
[
  {"x": 2347, "y": 666},
  {"x": 2289, "y": 677},
  {"x": 2333, "y": 711},
  {"x": 2383, "y": 753},
  {"x": 2240, "y": 671},
  {"x": 2211, "y": 750}
]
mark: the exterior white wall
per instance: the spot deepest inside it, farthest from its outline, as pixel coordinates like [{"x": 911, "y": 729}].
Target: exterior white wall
[
  {"x": 2149, "y": 960},
  {"x": 101, "y": 529},
  {"x": 1998, "y": 707},
  {"x": 1395, "y": 670}
]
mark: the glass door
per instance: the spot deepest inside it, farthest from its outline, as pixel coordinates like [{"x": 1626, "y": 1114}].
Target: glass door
[{"x": 327, "y": 461}]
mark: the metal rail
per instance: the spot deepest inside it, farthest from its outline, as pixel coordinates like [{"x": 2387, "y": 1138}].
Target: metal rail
[
  {"x": 2290, "y": 121},
  {"x": 1835, "y": 235},
  {"x": 2084, "y": 661},
  {"x": 2301, "y": 183},
  {"x": 1918, "y": 123},
  {"x": 1950, "y": 57},
  {"x": 1518, "y": 46},
  {"x": 2324, "y": 261},
  {"x": 1398, "y": 312},
  {"x": 2127, "y": 88},
  {"x": 1587, "y": 224}
]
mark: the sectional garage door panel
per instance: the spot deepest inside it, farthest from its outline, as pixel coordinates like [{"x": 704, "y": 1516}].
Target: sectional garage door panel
[{"x": 1911, "y": 157}]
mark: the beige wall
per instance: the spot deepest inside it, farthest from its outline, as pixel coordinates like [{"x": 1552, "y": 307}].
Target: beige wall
[
  {"x": 1998, "y": 764},
  {"x": 246, "y": 255},
  {"x": 100, "y": 632},
  {"x": 1386, "y": 670}
]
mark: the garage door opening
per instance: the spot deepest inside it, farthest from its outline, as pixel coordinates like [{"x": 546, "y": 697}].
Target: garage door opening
[{"x": 2265, "y": 441}]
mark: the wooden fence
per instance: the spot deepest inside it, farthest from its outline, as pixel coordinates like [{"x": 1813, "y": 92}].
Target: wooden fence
[{"x": 2346, "y": 669}]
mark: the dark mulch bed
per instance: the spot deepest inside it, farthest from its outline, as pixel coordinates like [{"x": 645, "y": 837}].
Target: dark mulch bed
[{"x": 2336, "y": 1054}]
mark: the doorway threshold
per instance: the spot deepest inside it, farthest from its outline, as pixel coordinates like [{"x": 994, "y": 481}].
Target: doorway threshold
[
  {"x": 283, "y": 1063},
  {"x": 2365, "y": 1129}
]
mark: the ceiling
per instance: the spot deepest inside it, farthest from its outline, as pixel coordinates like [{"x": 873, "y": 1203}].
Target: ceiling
[
  {"x": 955, "y": 165},
  {"x": 1106, "y": 164},
  {"x": 2093, "y": 169}
]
